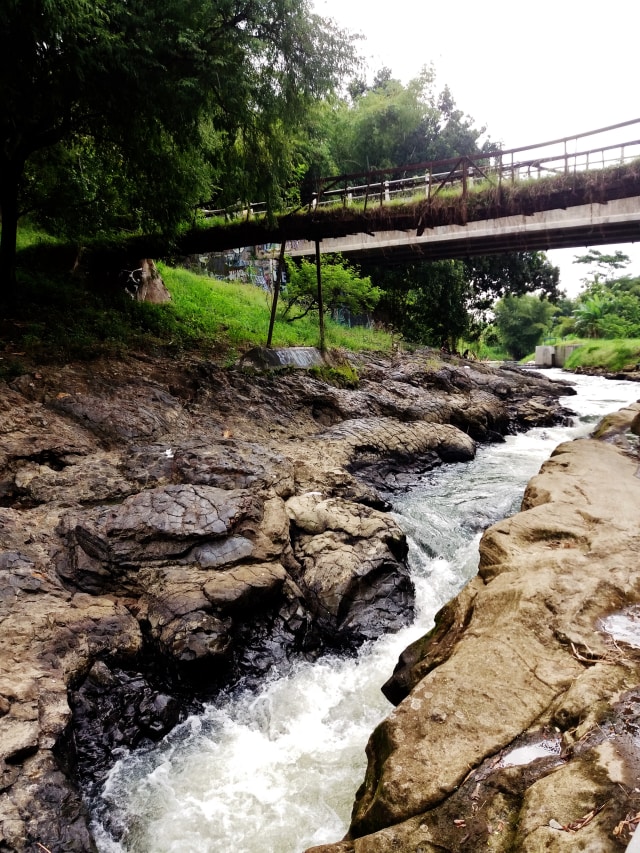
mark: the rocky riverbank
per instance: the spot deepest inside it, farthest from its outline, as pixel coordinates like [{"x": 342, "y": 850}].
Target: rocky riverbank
[
  {"x": 517, "y": 724},
  {"x": 167, "y": 528}
]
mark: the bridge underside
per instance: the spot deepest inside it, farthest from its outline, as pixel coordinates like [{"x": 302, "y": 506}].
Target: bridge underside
[{"x": 593, "y": 224}]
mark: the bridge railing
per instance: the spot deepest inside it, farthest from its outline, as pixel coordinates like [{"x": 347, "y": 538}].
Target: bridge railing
[
  {"x": 429, "y": 179},
  {"x": 463, "y": 173}
]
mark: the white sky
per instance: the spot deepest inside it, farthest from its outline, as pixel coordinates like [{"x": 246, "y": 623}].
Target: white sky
[{"x": 530, "y": 70}]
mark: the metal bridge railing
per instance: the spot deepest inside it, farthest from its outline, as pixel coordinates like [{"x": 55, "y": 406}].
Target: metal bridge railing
[{"x": 427, "y": 180}]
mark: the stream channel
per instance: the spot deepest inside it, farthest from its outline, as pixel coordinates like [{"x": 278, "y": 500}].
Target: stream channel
[{"x": 276, "y": 771}]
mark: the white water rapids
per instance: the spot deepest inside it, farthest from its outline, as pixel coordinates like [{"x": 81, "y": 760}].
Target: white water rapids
[{"x": 277, "y": 771}]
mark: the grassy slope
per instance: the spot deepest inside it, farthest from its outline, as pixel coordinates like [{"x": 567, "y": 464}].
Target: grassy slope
[
  {"x": 58, "y": 318},
  {"x": 238, "y": 314},
  {"x": 609, "y": 355}
]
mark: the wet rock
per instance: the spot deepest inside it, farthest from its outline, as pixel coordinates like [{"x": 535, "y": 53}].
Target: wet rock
[
  {"x": 117, "y": 710},
  {"x": 352, "y": 571},
  {"x": 150, "y": 550},
  {"x": 520, "y": 653}
]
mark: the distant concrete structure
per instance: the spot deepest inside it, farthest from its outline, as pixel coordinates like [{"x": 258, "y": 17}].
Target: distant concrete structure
[{"x": 554, "y": 356}]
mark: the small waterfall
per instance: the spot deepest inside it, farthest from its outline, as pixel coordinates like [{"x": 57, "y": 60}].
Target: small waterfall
[{"x": 276, "y": 771}]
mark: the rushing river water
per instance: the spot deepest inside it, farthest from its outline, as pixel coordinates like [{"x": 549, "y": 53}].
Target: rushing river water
[{"x": 276, "y": 771}]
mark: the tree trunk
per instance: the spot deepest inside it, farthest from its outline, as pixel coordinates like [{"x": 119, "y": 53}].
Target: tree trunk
[{"x": 9, "y": 180}]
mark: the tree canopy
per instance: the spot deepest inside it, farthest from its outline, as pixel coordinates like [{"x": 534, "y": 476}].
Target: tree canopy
[
  {"x": 522, "y": 322},
  {"x": 166, "y": 99},
  {"x": 389, "y": 123},
  {"x": 344, "y": 289},
  {"x": 439, "y": 302},
  {"x": 609, "y": 304}
]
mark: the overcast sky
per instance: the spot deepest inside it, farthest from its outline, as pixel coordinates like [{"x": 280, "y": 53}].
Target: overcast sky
[{"x": 530, "y": 70}]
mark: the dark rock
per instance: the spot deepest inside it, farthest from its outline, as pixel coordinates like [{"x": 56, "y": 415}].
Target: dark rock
[
  {"x": 356, "y": 583},
  {"x": 116, "y": 710}
]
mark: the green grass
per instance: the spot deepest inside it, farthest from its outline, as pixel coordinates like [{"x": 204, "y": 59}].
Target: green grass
[
  {"x": 58, "y": 318},
  {"x": 238, "y": 315},
  {"x": 30, "y": 236},
  {"x": 609, "y": 355}
]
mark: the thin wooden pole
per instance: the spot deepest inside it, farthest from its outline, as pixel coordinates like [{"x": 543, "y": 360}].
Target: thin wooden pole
[
  {"x": 276, "y": 293},
  {"x": 320, "y": 300}
]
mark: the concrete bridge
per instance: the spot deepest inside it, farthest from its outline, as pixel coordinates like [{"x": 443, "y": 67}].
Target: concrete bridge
[
  {"x": 616, "y": 221},
  {"x": 582, "y": 190}
]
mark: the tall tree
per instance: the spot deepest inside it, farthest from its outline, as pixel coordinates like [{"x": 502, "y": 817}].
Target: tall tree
[
  {"x": 169, "y": 87},
  {"x": 393, "y": 124},
  {"x": 426, "y": 302},
  {"x": 494, "y": 276},
  {"x": 441, "y": 301},
  {"x": 522, "y": 322}
]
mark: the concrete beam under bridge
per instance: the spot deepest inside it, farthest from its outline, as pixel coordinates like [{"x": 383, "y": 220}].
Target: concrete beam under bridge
[{"x": 593, "y": 224}]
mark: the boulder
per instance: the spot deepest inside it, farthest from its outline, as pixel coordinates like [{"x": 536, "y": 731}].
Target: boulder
[{"x": 352, "y": 570}]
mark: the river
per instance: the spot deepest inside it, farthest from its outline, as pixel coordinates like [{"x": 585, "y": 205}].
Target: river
[{"x": 276, "y": 771}]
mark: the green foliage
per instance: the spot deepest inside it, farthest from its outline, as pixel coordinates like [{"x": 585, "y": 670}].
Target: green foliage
[
  {"x": 589, "y": 316},
  {"x": 391, "y": 124},
  {"x": 521, "y": 322},
  {"x": 494, "y": 276},
  {"x": 426, "y": 302},
  {"x": 609, "y": 305},
  {"x": 439, "y": 302},
  {"x": 134, "y": 110},
  {"x": 343, "y": 288},
  {"x": 603, "y": 264}
]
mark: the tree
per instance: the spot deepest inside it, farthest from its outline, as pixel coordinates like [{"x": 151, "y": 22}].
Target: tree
[
  {"x": 602, "y": 264},
  {"x": 343, "y": 288},
  {"x": 194, "y": 89},
  {"x": 522, "y": 322},
  {"x": 494, "y": 276},
  {"x": 426, "y": 302},
  {"x": 589, "y": 315},
  {"x": 443, "y": 301},
  {"x": 608, "y": 307},
  {"x": 391, "y": 124}
]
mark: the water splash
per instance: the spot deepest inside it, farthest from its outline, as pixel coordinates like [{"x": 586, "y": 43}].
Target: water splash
[{"x": 624, "y": 626}]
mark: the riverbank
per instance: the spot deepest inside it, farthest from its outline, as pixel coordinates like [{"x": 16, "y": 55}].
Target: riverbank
[
  {"x": 518, "y": 715},
  {"x": 169, "y": 528}
]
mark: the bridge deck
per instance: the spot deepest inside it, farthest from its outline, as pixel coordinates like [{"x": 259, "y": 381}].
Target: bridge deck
[{"x": 593, "y": 224}]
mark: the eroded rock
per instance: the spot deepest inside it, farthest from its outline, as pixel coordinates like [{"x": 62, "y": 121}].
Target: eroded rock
[
  {"x": 352, "y": 566},
  {"x": 157, "y": 539},
  {"x": 519, "y": 655}
]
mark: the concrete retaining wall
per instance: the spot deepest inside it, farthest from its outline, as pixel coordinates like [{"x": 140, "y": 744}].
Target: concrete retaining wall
[{"x": 548, "y": 356}]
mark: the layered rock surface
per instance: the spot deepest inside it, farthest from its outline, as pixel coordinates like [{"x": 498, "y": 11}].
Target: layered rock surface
[
  {"x": 522, "y": 659},
  {"x": 167, "y": 528}
]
